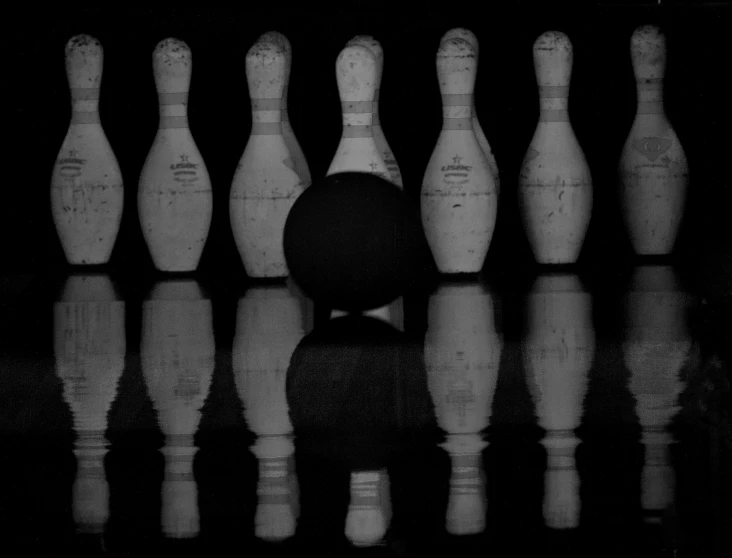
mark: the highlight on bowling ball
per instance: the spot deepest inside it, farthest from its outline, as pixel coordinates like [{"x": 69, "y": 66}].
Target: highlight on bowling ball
[{"x": 353, "y": 241}]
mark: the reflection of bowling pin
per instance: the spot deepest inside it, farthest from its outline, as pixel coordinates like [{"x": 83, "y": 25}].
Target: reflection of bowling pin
[
  {"x": 558, "y": 353},
  {"x": 459, "y": 198},
  {"x": 271, "y": 321},
  {"x": 266, "y": 183},
  {"x": 90, "y": 350},
  {"x": 356, "y": 74},
  {"x": 655, "y": 348},
  {"x": 467, "y": 35},
  {"x": 298, "y": 157},
  {"x": 86, "y": 187},
  {"x": 174, "y": 197},
  {"x": 177, "y": 355},
  {"x": 462, "y": 353},
  {"x": 369, "y": 509},
  {"x": 555, "y": 186},
  {"x": 383, "y": 146},
  {"x": 653, "y": 168}
]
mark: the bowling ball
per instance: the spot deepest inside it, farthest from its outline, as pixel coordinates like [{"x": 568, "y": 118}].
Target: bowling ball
[{"x": 353, "y": 241}]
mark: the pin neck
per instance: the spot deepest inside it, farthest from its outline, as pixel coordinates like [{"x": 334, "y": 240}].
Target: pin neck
[
  {"x": 553, "y": 103},
  {"x": 357, "y": 113},
  {"x": 85, "y": 105},
  {"x": 650, "y": 96},
  {"x": 457, "y": 112},
  {"x": 267, "y": 110},
  {"x": 173, "y": 110}
]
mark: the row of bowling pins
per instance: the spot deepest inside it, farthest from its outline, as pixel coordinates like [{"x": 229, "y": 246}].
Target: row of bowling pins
[
  {"x": 461, "y": 184},
  {"x": 462, "y": 352},
  {"x": 460, "y": 191},
  {"x": 175, "y": 202},
  {"x": 174, "y": 197}
]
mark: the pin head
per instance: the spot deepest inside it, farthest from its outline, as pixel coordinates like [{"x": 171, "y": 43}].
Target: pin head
[
  {"x": 553, "y": 57},
  {"x": 356, "y": 73},
  {"x": 648, "y": 51},
  {"x": 375, "y": 47},
  {"x": 277, "y": 38},
  {"x": 172, "y": 62},
  {"x": 266, "y": 65},
  {"x": 457, "y": 63},
  {"x": 461, "y": 33},
  {"x": 84, "y": 59}
]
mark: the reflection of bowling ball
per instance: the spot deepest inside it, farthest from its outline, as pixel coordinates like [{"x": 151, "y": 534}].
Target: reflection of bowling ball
[
  {"x": 353, "y": 241},
  {"x": 357, "y": 392}
]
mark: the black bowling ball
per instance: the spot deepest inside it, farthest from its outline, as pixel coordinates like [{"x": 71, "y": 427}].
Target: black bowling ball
[{"x": 353, "y": 241}]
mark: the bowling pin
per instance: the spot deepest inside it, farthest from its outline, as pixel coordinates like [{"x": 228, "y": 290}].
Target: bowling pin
[
  {"x": 270, "y": 323},
  {"x": 555, "y": 186},
  {"x": 266, "y": 183},
  {"x": 656, "y": 346},
  {"x": 177, "y": 357},
  {"x": 89, "y": 347},
  {"x": 467, "y": 35},
  {"x": 383, "y": 146},
  {"x": 462, "y": 353},
  {"x": 174, "y": 198},
  {"x": 358, "y": 73},
  {"x": 459, "y": 197},
  {"x": 653, "y": 168},
  {"x": 298, "y": 157},
  {"x": 86, "y": 186},
  {"x": 557, "y": 354},
  {"x": 369, "y": 507},
  {"x": 357, "y": 78}
]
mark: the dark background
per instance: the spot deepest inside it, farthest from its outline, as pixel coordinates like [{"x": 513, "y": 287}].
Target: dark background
[{"x": 602, "y": 107}]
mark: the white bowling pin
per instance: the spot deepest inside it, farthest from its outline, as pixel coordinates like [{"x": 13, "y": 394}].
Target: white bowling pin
[
  {"x": 89, "y": 346},
  {"x": 467, "y": 35},
  {"x": 266, "y": 183},
  {"x": 558, "y": 353},
  {"x": 174, "y": 199},
  {"x": 459, "y": 198},
  {"x": 270, "y": 323},
  {"x": 369, "y": 508},
  {"x": 357, "y": 75},
  {"x": 379, "y": 137},
  {"x": 462, "y": 353},
  {"x": 86, "y": 187},
  {"x": 177, "y": 355},
  {"x": 298, "y": 157},
  {"x": 653, "y": 168},
  {"x": 555, "y": 185},
  {"x": 655, "y": 348}
]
